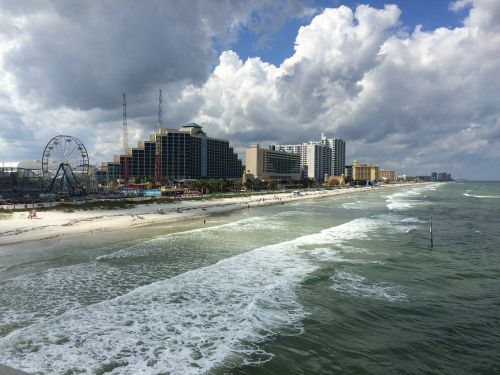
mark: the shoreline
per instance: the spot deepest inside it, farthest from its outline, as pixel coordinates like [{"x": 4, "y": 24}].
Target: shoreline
[{"x": 19, "y": 229}]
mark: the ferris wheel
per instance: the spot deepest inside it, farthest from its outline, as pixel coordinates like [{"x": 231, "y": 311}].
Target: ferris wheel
[
  {"x": 65, "y": 162},
  {"x": 67, "y": 150}
]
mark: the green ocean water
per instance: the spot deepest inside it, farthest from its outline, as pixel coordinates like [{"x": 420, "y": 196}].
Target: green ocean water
[{"x": 343, "y": 285}]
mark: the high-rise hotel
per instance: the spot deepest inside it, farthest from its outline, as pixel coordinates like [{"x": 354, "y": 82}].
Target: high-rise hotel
[
  {"x": 319, "y": 159},
  {"x": 271, "y": 165},
  {"x": 337, "y": 146},
  {"x": 186, "y": 153}
]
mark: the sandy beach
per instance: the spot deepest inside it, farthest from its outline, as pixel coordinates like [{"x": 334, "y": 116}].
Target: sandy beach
[{"x": 18, "y": 228}]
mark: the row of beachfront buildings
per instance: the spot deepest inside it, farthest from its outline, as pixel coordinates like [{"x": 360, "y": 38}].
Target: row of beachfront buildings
[
  {"x": 322, "y": 160},
  {"x": 189, "y": 154}
]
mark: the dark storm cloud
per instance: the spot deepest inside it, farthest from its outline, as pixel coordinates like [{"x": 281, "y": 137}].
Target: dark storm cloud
[{"x": 81, "y": 54}]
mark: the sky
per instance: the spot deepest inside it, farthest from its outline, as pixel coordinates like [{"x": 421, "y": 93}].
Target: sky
[{"x": 409, "y": 85}]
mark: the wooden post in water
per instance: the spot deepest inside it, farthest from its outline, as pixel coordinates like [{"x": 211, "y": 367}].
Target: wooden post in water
[{"x": 430, "y": 229}]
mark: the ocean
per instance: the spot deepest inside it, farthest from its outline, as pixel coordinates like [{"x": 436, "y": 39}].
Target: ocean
[{"x": 337, "y": 285}]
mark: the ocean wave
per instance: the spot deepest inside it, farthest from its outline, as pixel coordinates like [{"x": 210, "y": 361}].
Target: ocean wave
[
  {"x": 250, "y": 224},
  {"x": 414, "y": 220},
  {"x": 28, "y": 299},
  {"x": 188, "y": 324},
  {"x": 403, "y": 201},
  {"x": 356, "y": 285},
  {"x": 328, "y": 254},
  {"x": 354, "y": 205},
  {"x": 482, "y": 196},
  {"x": 396, "y": 223}
]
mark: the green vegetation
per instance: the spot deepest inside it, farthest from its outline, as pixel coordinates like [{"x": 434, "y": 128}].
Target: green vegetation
[
  {"x": 5, "y": 215},
  {"x": 104, "y": 204},
  {"x": 91, "y": 205}
]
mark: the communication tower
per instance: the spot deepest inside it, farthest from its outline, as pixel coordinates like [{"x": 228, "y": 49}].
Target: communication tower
[
  {"x": 158, "y": 139},
  {"x": 126, "y": 150}
]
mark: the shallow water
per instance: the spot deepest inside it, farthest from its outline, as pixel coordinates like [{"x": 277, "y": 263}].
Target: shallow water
[{"x": 334, "y": 285}]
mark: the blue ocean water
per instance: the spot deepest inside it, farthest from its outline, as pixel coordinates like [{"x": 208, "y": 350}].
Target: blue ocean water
[{"x": 343, "y": 285}]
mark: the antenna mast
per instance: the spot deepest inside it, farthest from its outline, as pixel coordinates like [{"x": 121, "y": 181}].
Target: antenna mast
[
  {"x": 160, "y": 113},
  {"x": 125, "y": 140},
  {"x": 125, "y": 127},
  {"x": 158, "y": 139}
]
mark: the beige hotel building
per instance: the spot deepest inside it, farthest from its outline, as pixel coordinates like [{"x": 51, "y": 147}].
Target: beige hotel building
[
  {"x": 386, "y": 175},
  {"x": 364, "y": 172},
  {"x": 269, "y": 164}
]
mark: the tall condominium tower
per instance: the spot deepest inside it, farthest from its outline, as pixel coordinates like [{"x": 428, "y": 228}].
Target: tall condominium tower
[
  {"x": 338, "y": 153},
  {"x": 316, "y": 158},
  {"x": 318, "y": 161},
  {"x": 313, "y": 154}
]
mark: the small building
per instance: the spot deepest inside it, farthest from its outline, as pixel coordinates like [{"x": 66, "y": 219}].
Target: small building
[{"x": 335, "y": 180}]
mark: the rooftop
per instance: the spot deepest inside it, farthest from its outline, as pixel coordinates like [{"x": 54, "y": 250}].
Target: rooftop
[{"x": 192, "y": 125}]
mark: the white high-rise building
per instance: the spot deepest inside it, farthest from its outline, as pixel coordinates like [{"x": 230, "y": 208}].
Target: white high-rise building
[
  {"x": 314, "y": 158},
  {"x": 338, "y": 153},
  {"x": 318, "y": 161},
  {"x": 317, "y": 157}
]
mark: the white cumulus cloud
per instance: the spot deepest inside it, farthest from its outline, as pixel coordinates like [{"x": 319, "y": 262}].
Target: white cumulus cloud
[
  {"x": 416, "y": 101},
  {"x": 403, "y": 100}
]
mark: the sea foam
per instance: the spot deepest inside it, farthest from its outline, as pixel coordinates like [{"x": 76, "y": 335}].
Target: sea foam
[
  {"x": 482, "y": 196},
  {"x": 403, "y": 201},
  {"x": 346, "y": 282},
  {"x": 30, "y": 298},
  {"x": 188, "y": 324}
]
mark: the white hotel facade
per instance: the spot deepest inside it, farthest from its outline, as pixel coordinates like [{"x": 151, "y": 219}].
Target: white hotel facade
[{"x": 322, "y": 158}]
